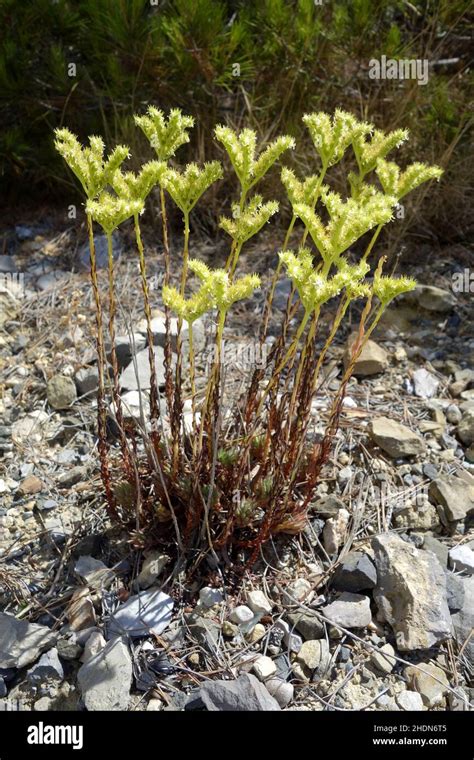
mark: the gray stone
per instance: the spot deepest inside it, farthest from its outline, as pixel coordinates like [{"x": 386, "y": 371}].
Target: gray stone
[
  {"x": 314, "y": 658},
  {"x": 439, "y": 549},
  {"x": 93, "y": 572},
  {"x": 310, "y": 626},
  {"x": 463, "y": 621},
  {"x": 465, "y": 429},
  {"x": 153, "y": 565},
  {"x": 281, "y": 690},
  {"x": 429, "y": 681},
  {"x": 283, "y": 289},
  {"x": 52, "y": 280},
  {"x": 101, "y": 251},
  {"x": 61, "y": 392},
  {"x": 128, "y": 378},
  {"x": 328, "y": 506},
  {"x": 125, "y": 347},
  {"x": 158, "y": 328},
  {"x": 72, "y": 476},
  {"x": 455, "y": 592},
  {"x": 87, "y": 380},
  {"x": 209, "y": 596},
  {"x": 258, "y": 603},
  {"x": 425, "y": 384},
  {"x": 372, "y": 360},
  {"x": 143, "y": 614},
  {"x": 411, "y": 593},
  {"x": 264, "y": 667},
  {"x": 241, "y": 615},
  {"x": 204, "y": 630},
  {"x": 453, "y": 414},
  {"x": 382, "y": 659},
  {"x": 395, "y": 439},
  {"x": 434, "y": 299},
  {"x": 454, "y": 496},
  {"x": 349, "y": 610},
  {"x": 7, "y": 264},
  {"x": 410, "y": 701},
  {"x": 246, "y": 693},
  {"x": 48, "y": 666},
  {"x": 461, "y": 559},
  {"x": 355, "y": 573},
  {"x": 21, "y": 642},
  {"x": 106, "y": 678}
]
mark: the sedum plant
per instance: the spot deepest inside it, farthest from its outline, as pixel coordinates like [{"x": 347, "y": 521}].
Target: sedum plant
[{"x": 210, "y": 487}]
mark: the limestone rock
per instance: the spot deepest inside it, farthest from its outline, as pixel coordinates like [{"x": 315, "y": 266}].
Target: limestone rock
[
  {"x": 434, "y": 299},
  {"x": 258, "y": 603},
  {"x": 429, "y": 681},
  {"x": 411, "y": 593},
  {"x": 132, "y": 380},
  {"x": 21, "y": 642},
  {"x": 142, "y": 614},
  {"x": 425, "y": 384},
  {"x": 410, "y": 701},
  {"x": 246, "y": 693},
  {"x": 382, "y": 659},
  {"x": 454, "y": 496},
  {"x": 349, "y": 610},
  {"x": 355, "y": 573},
  {"x": 334, "y": 531},
  {"x": 463, "y": 620},
  {"x": 281, "y": 690},
  {"x": 61, "y": 392},
  {"x": 372, "y": 360},
  {"x": 465, "y": 429},
  {"x": 461, "y": 559},
  {"x": 106, "y": 678},
  {"x": 313, "y": 657},
  {"x": 395, "y": 439}
]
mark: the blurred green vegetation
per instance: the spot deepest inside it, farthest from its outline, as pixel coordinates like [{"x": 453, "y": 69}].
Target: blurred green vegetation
[{"x": 260, "y": 63}]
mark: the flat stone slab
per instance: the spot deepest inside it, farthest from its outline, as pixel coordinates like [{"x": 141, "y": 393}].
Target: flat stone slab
[
  {"x": 21, "y": 643},
  {"x": 141, "y": 615}
]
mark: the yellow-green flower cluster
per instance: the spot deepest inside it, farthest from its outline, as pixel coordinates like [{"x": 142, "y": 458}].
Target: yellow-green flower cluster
[
  {"x": 349, "y": 220},
  {"x": 248, "y": 222},
  {"x": 166, "y": 135},
  {"x": 217, "y": 291},
  {"x": 133, "y": 186},
  {"x": 110, "y": 211},
  {"x": 398, "y": 183},
  {"x": 387, "y": 288},
  {"x": 331, "y": 137},
  {"x": 369, "y": 151},
  {"x": 187, "y": 187},
  {"x": 88, "y": 164},
  {"x": 314, "y": 288},
  {"x": 241, "y": 149},
  {"x": 300, "y": 192}
]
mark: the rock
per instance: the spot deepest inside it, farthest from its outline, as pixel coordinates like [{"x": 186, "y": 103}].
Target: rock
[
  {"x": 355, "y": 573},
  {"x": 439, "y": 549},
  {"x": 349, "y": 610},
  {"x": 246, "y": 693},
  {"x": 434, "y": 299},
  {"x": 455, "y": 592},
  {"x": 127, "y": 346},
  {"x": 454, "y": 496},
  {"x": 80, "y": 611},
  {"x": 7, "y": 265},
  {"x": 72, "y": 476},
  {"x": 410, "y": 701},
  {"x": 204, "y": 630},
  {"x": 334, "y": 532},
  {"x": 69, "y": 649},
  {"x": 21, "y": 642},
  {"x": 372, "y": 360},
  {"x": 429, "y": 681},
  {"x": 298, "y": 590},
  {"x": 87, "y": 380},
  {"x": 258, "y": 603},
  {"x": 453, "y": 414},
  {"x": 158, "y": 328},
  {"x": 463, "y": 621},
  {"x": 94, "y": 644},
  {"x": 313, "y": 657},
  {"x": 154, "y": 705},
  {"x": 33, "y": 427},
  {"x": 52, "y": 280},
  {"x": 93, "y": 572},
  {"x": 241, "y": 615},
  {"x": 30, "y": 486},
  {"x": 153, "y": 565},
  {"x": 328, "y": 506},
  {"x": 106, "y": 678},
  {"x": 465, "y": 429},
  {"x": 310, "y": 626},
  {"x": 133, "y": 378},
  {"x": 264, "y": 668},
  {"x": 48, "y": 666},
  {"x": 382, "y": 659},
  {"x": 417, "y": 517},
  {"x": 283, "y": 289},
  {"x": 461, "y": 559},
  {"x": 61, "y": 392},
  {"x": 210, "y": 596},
  {"x": 101, "y": 251},
  {"x": 395, "y": 439},
  {"x": 425, "y": 384},
  {"x": 411, "y": 593},
  {"x": 143, "y": 614},
  {"x": 281, "y": 690}
]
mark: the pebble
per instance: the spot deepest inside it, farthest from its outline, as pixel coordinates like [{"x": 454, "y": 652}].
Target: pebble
[
  {"x": 61, "y": 392},
  {"x": 258, "y": 603},
  {"x": 461, "y": 559},
  {"x": 264, "y": 668},
  {"x": 410, "y": 701},
  {"x": 430, "y": 682},
  {"x": 241, "y": 615},
  {"x": 382, "y": 658},
  {"x": 349, "y": 610},
  {"x": 281, "y": 690}
]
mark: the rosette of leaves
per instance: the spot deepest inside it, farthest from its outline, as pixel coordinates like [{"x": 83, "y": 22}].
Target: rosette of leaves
[
  {"x": 241, "y": 148},
  {"x": 398, "y": 183},
  {"x": 165, "y": 135},
  {"x": 349, "y": 220},
  {"x": 188, "y": 186},
  {"x": 93, "y": 171},
  {"x": 246, "y": 223},
  {"x": 333, "y": 135}
]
